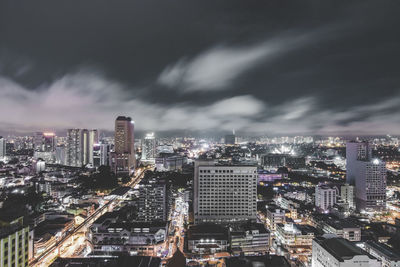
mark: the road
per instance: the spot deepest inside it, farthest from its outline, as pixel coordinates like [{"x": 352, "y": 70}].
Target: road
[
  {"x": 180, "y": 212},
  {"x": 52, "y": 252}
]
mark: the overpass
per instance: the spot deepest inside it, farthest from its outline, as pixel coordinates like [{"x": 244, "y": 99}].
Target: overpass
[{"x": 87, "y": 222}]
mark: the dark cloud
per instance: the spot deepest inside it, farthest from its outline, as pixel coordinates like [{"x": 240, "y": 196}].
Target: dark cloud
[{"x": 256, "y": 66}]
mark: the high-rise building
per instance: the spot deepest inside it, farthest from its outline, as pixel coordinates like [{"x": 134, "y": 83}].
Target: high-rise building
[
  {"x": 74, "y": 148},
  {"x": 60, "y": 155},
  {"x": 89, "y": 139},
  {"x": 49, "y": 142},
  {"x": 230, "y": 139},
  {"x": 325, "y": 197},
  {"x": 368, "y": 175},
  {"x": 15, "y": 243},
  {"x": 347, "y": 195},
  {"x": 356, "y": 152},
  {"x": 3, "y": 145},
  {"x": 153, "y": 199},
  {"x": 124, "y": 158},
  {"x": 38, "y": 141},
  {"x": 224, "y": 193},
  {"x": 80, "y": 142},
  {"x": 44, "y": 141},
  {"x": 101, "y": 155},
  {"x": 149, "y": 148}
]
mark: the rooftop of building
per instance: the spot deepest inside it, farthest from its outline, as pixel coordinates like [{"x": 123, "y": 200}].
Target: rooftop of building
[
  {"x": 10, "y": 229},
  {"x": 11, "y": 214},
  {"x": 249, "y": 226},
  {"x": 110, "y": 261},
  {"x": 123, "y": 118},
  {"x": 260, "y": 261},
  {"x": 341, "y": 248},
  {"x": 213, "y": 163},
  {"x": 384, "y": 249},
  {"x": 213, "y": 231},
  {"x": 302, "y": 229},
  {"x": 335, "y": 222},
  {"x": 130, "y": 225}
]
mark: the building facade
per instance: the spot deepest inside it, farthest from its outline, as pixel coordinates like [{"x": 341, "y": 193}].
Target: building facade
[
  {"x": 149, "y": 148},
  {"x": 386, "y": 255},
  {"x": 224, "y": 193},
  {"x": 16, "y": 246},
  {"x": 368, "y": 175},
  {"x": 153, "y": 199},
  {"x": 249, "y": 239},
  {"x": 79, "y": 148},
  {"x": 3, "y": 145},
  {"x": 124, "y": 158},
  {"x": 347, "y": 195},
  {"x": 325, "y": 197},
  {"x": 340, "y": 252},
  {"x": 137, "y": 238}
]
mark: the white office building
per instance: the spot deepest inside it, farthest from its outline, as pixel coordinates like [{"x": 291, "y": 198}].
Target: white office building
[
  {"x": 368, "y": 175},
  {"x": 325, "y": 197},
  {"x": 224, "y": 193},
  {"x": 80, "y": 144},
  {"x": 339, "y": 252},
  {"x": 149, "y": 148},
  {"x": 2, "y": 147}
]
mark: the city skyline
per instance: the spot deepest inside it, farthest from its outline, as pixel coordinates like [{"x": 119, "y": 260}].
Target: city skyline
[
  {"x": 258, "y": 68},
  {"x": 199, "y": 133}
]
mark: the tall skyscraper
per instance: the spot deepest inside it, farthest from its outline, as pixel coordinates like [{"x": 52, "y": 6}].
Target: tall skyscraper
[
  {"x": 49, "y": 142},
  {"x": 89, "y": 139},
  {"x": 368, "y": 175},
  {"x": 80, "y": 143},
  {"x": 60, "y": 155},
  {"x": 230, "y": 139},
  {"x": 74, "y": 148},
  {"x": 38, "y": 141},
  {"x": 44, "y": 142},
  {"x": 124, "y": 158},
  {"x": 3, "y": 145},
  {"x": 224, "y": 193},
  {"x": 149, "y": 148}
]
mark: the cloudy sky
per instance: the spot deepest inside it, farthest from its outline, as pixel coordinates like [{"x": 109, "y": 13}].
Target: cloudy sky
[{"x": 256, "y": 66}]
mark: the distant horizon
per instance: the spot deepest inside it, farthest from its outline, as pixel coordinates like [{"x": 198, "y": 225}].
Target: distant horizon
[{"x": 219, "y": 134}]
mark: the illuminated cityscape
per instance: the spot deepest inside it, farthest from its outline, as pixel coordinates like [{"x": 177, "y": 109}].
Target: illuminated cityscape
[{"x": 212, "y": 133}]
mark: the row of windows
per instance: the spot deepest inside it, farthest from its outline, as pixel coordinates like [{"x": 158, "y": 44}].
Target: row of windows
[
  {"x": 229, "y": 176},
  {"x": 224, "y": 171}
]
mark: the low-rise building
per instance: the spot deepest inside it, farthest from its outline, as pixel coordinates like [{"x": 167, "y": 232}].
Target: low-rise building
[
  {"x": 137, "y": 238},
  {"x": 207, "y": 239},
  {"x": 386, "y": 255},
  {"x": 341, "y": 253},
  {"x": 341, "y": 228},
  {"x": 292, "y": 235},
  {"x": 274, "y": 217},
  {"x": 249, "y": 239}
]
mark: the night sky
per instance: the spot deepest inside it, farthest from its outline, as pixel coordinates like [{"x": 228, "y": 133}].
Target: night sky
[{"x": 259, "y": 67}]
